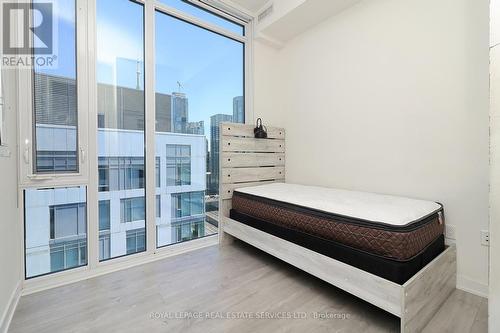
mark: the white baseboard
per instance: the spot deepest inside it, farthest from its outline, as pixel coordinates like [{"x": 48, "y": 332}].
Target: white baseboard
[
  {"x": 471, "y": 286},
  {"x": 11, "y": 307}
]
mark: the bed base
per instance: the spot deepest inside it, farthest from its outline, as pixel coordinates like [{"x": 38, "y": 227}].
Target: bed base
[{"x": 245, "y": 161}]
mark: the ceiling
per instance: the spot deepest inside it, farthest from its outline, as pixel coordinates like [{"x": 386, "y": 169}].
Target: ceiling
[{"x": 251, "y": 5}]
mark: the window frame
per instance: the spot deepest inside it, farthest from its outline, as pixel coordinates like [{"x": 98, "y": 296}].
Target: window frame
[
  {"x": 27, "y": 175},
  {"x": 202, "y": 6},
  {"x": 87, "y": 137},
  {"x": 3, "y": 141}
]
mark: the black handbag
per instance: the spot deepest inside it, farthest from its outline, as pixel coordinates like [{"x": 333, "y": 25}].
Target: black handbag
[{"x": 260, "y": 131}]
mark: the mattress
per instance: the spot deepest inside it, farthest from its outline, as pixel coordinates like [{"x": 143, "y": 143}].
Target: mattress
[
  {"x": 393, "y": 270},
  {"x": 390, "y": 227}
]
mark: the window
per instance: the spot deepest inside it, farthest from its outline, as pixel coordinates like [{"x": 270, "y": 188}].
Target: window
[
  {"x": 104, "y": 246},
  {"x": 55, "y": 229},
  {"x": 187, "y": 204},
  {"x": 68, "y": 255},
  {"x": 104, "y": 215},
  {"x": 157, "y": 172},
  {"x": 55, "y": 101},
  {"x": 192, "y": 95},
  {"x": 121, "y": 173},
  {"x": 68, "y": 234},
  {"x": 104, "y": 229},
  {"x": 52, "y": 161},
  {"x": 120, "y": 118},
  {"x": 205, "y": 15},
  {"x": 178, "y": 165},
  {"x": 133, "y": 209},
  {"x": 158, "y": 206},
  {"x": 60, "y": 215},
  {"x": 103, "y": 171},
  {"x": 213, "y": 82},
  {"x": 196, "y": 202},
  {"x": 187, "y": 214},
  {"x": 188, "y": 230},
  {"x": 136, "y": 240}
]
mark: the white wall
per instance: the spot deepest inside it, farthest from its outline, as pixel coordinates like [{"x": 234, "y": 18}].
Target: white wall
[
  {"x": 391, "y": 96},
  {"x": 494, "y": 298},
  {"x": 267, "y": 98},
  {"x": 10, "y": 226}
]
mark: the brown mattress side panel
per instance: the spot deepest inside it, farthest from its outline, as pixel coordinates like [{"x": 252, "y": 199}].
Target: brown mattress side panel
[{"x": 386, "y": 243}]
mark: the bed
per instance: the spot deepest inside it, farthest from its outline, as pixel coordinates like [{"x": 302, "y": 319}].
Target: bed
[
  {"x": 387, "y": 250},
  {"x": 391, "y": 237}
]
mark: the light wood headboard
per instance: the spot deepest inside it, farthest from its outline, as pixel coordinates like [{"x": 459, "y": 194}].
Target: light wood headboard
[{"x": 246, "y": 161}]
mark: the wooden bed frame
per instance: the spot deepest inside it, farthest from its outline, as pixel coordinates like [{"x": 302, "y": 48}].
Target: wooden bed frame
[{"x": 246, "y": 161}]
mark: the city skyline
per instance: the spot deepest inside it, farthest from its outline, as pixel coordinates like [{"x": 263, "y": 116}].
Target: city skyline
[
  {"x": 189, "y": 91},
  {"x": 184, "y": 178},
  {"x": 110, "y": 97},
  {"x": 176, "y": 60}
]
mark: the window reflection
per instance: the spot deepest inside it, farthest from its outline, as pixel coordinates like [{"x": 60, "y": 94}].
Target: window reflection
[
  {"x": 55, "y": 229},
  {"x": 193, "y": 96},
  {"x": 120, "y": 108},
  {"x": 55, "y": 100}
]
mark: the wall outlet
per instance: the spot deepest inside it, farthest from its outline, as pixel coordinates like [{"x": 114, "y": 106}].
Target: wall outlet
[
  {"x": 450, "y": 232},
  {"x": 485, "y": 237}
]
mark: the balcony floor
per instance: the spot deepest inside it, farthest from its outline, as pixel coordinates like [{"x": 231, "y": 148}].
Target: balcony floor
[{"x": 237, "y": 278}]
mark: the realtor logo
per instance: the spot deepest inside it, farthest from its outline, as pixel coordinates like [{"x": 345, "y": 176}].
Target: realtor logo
[{"x": 28, "y": 35}]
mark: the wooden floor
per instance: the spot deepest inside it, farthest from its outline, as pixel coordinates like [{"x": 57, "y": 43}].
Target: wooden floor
[{"x": 224, "y": 284}]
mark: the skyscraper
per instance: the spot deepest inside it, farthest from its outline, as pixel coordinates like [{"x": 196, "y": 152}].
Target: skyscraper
[
  {"x": 163, "y": 112},
  {"x": 238, "y": 109},
  {"x": 180, "y": 178},
  {"x": 179, "y": 112},
  {"x": 196, "y": 127},
  {"x": 215, "y": 121}
]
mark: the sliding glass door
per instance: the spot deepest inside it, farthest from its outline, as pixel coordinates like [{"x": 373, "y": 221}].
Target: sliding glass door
[{"x": 199, "y": 84}]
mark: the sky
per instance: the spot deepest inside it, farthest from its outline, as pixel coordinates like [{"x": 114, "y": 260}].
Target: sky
[
  {"x": 208, "y": 66},
  {"x": 64, "y": 20}
]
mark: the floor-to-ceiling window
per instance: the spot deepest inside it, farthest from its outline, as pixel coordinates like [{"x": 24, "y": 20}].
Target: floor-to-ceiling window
[
  {"x": 199, "y": 84},
  {"x": 86, "y": 201},
  {"x": 55, "y": 219},
  {"x": 121, "y": 125}
]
